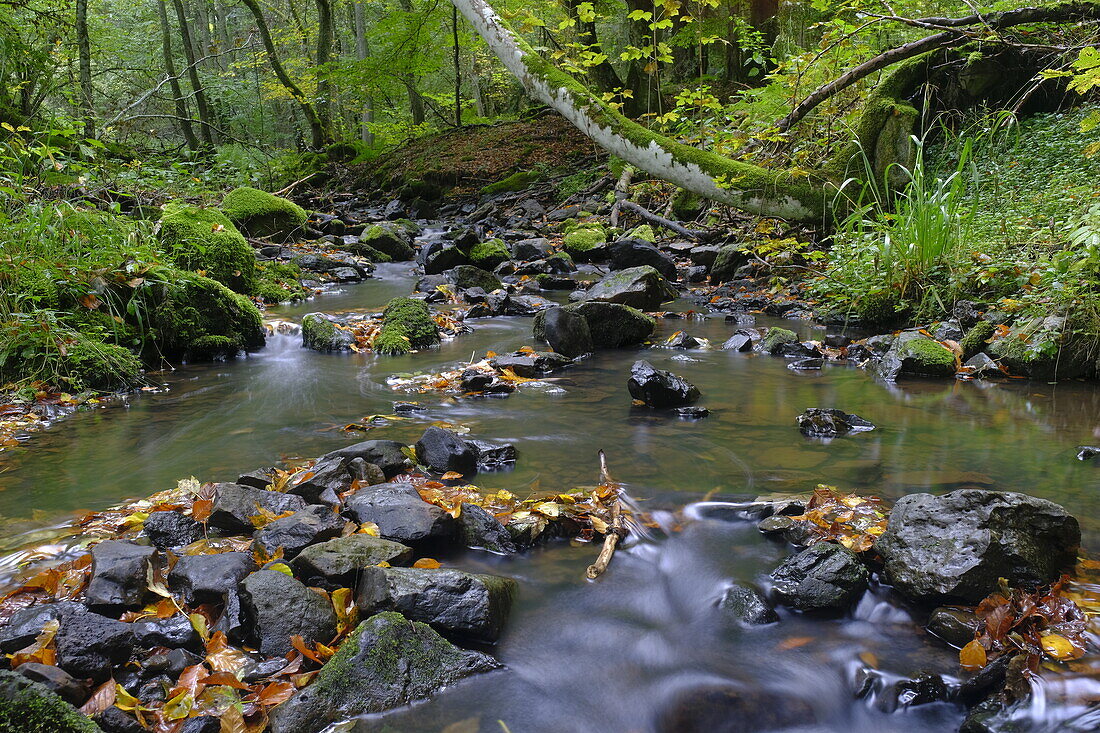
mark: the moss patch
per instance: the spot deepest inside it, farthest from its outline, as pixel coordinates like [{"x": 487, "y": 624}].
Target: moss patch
[
  {"x": 391, "y": 242},
  {"x": 579, "y": 242},
  {"x": 262, "y": 214},
  {"x": 487, "y": 255},
  {"x": 28, "y": 706},
  {"x": 925, "y": 357},
  {"x": 975, "y": 339},
  {"x": 204, "y": 240},
  {"x": 515, "y": 182},
  {"x": 777, "y": 337},
  {"x": 406, "y": 324},
  {"x": 644, "y": 232}
]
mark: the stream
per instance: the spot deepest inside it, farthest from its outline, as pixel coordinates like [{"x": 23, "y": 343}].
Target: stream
[{"x": 643, "y": 648}]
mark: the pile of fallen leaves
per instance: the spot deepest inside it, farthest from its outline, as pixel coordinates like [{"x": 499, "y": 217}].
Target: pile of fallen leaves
[
  {"x": 365, "y": 331},
  {"x": 853, "y": 521},
  {"x": 450, "y": 381},
  {"x": 1046, "y": 623},
  {"x": 19, "y": 417}
]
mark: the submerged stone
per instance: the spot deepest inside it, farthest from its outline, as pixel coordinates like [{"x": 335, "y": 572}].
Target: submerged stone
[{"x": 828, "y": 423}]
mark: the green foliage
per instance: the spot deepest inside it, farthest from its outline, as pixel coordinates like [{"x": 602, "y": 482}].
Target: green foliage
[{"x": 205, "y": 241}]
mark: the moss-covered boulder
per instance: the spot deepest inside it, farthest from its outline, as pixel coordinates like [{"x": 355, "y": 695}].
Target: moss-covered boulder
[
  {"x": 468, "y": 276},
  {"x": 393, "y": 242},
  {"x": 487, "y": 255},
  {"x": 975, "y": 339},
  {"x": 406, "y": 325},
  {"x": 610, "y": 325},
  {"x": 69, "y": 359},
  {"x": 776, "y": 338},
  {"x": 27, "y": 706},
  {"x": 586, "y": 244},
  {"x": 194, "y": 317},
  {"x": 644, "y": 232},
  {"x": 320, "y": 333},
  {"x": 1043, "y": 348},
  {"x": 388, "y": 661},
  {"x": 262, "y": 214},
  {"x": 205, "y": 241},
  {"x": 639, "y": 287},
  {"x": 515, "y": 182},
  {"x": 923, "y": 357}
]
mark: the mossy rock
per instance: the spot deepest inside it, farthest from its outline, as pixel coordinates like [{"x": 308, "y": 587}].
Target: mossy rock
[
  {"x": 262, "y": 214},
  {"x": 68, "y": 359},
  {"x": 320, "y": 333},
  {"x": 776, "y": 338},
  {"x": 406, "y": 324},
  {"x": 1044, "y": 349},
  {"x": 975, "y": 339},
  {"x": 727, "y": 262},
  {"x": 205, "y": 240},
  {"x": 644, "y": 232},
  {"x": 392, "y": 242},
  {"x": 279, "y": 282},
  {"x": 186, "y": 309},
  {"x": 611, "y": 325},
  {"x": 924, "y": 357},
  {"x": 489, "y": 254},
  {"x": 880, "y": 309},
  {"x": 585, "y": 244},
  {"x": 29, "y": 707},
  {"x": 468, "y": 276},
  {"x": 515, "y": 182}
]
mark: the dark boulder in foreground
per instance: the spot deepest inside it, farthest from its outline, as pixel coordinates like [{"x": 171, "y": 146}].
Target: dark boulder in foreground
[
  {"x": 89, "y": 645},
  {"x": 479, "y": 529},
  {"x": 567, "y": 332},
  {"x": 386, "y": 454},
  {"x": 730, "y": 708},
  {"x": 30, "y": 706},
  {"x": 298, "y": 531},
  {"x": 387, "y": 661},
  {"x": 280, "y": 607},
  {"x": 610, "y": 325},
  {"x": 824, "y": 422},
  {"x": 954, "y": 547},
  {"x": 167, "y": 529},
  {"x": 442, "y": 450},
  {"x": 119, "y": 574},
  {"x": 658, "y": 388},
  {"x": 823, "y": 577},
  {"x": 639, "y": 287},
  {"x": 209, "y": 578},
  {"x": 235, "y": 505},
  {"x": 449, "y": 600}
]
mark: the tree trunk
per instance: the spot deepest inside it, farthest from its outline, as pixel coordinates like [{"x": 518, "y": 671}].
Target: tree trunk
[
  {"x": 206, "y": 131},
  {"x": 362, "y": 53},
  {"x": 84, "y": 50},
  {"x": 458, "y": 67},
  {"x": 602, "y": 76},
  {"x": 324, "y": 54},
  {"x": 416, "y": 100},
  {"x": 174, "y": 81},
  {"x": 317, "y": 131},
  {"x": 742, "y": 185}
]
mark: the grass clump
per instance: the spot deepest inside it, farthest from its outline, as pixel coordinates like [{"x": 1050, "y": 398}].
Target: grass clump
[{"x": 515, "y": 182}]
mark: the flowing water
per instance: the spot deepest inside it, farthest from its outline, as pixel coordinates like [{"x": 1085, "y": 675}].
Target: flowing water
[{"x": 643, "y": 648}]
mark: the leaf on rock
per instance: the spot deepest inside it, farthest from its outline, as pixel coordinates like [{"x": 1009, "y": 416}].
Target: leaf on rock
[{"x": 972, "y": 656}]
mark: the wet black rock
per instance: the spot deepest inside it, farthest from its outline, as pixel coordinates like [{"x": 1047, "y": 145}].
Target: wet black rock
[
  {"x": 658, "y": 388},
  {"x": 988, "y": 680},
  {"x": 745, "y": 605},
  {"x": 174, "y": 632},
  {"x": 171, "y": 663},
  {"x": 57, "y": 681},
  {"x": 27, "y": 623},
  {"x": 89, "y": 645},
  {"x": 532, "y": 249},
  {"x": 479, "y": 529},
  {"x": 532, "y": 364},
  {"x": 400, "y": 513},
  {"x": 493, "y": 456},
  {"x": 922, "y": 690},
  {"x": 444, "y": 259},
  {"x": 166, "y": 529},
  {"x": 30, "y": 707},
  {"x": 476, "y": 606},
  {"x": 1087, "y": 452},
  {"x": 337, "y": 563},
  {"x": 208, "y": 578},
  {"x": 610, "y": 325},
  {"x": 468, "y": 276},
  {"x": 235, "y": 505},
  {"x": 692, "y": 413},
  {"x": 387, "y": 662},
  {"x": 727, "y": 261},
  {"x": 825, "y": 422},
  {"x": 738, "y": 342},
  {"x": 948, "y": 331},
  {"x": 280, "y": 607},
  {"x": 627, "y": 253},
  {"x": 683, "y": 340},
  {"x": 786, "y": 528},
  {"x": 321, "y": 483},
  {"x": 386, "y": 454},
  {"x": 823, "y": 577},
  {"x": 981, "y": 365},
  {"x": 703, "y": 255},
  {"x": 954, "y": 547},
  {"x": 566, "y": 331},
  {"x": 119, "y": 575},
  {"x": 955, "y": 626},
  {"x": 300, "y": 530},
  {"x": 479, "y": 382},
  {"x": 202, "y": 724},
  {"x": 639, "y": 287},
  {"x": 116, "y": 720},
  {"x": 442, "y": 450}
]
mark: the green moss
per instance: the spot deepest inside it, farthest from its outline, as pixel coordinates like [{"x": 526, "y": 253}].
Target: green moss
[
  {"x": 925, "y": 357},
  {"x": 686, "y": 205},
  {"x": 515, "y": 182},
  {"x": 564, "y": 257},
  {"x": 184, "y": 308},
  {"x": 27, "y": 706},
  {"x": 407, "y": 324},
  {"x": 279, "y": 282},
  {"x": 644, "y": 232},
  {"x": 205, "y": 240},
  {"x": 390, "y": 241},
  {"x": 321, "y": 334},
  {"x": 777, "y": 337},
  {"x": 44, "y": 348},
  {"x": 260, "y": 213},
  {"x": 975, "y": 339},
  {"x": 487, "y": 255},
  {"x": 579, "y": 241},
  {"x": 879, "y": 309}
]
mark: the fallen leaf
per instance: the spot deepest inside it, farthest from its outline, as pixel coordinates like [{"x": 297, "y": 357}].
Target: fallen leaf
[
  {"x": 426, "y": 563},
  {"x": 972, "y": 656}
]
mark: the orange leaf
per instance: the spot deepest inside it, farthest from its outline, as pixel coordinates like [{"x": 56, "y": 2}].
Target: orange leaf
[
  {"x": 200, "y": 510},
  {"x": 300, "y": 644},
  {"x": 426, "y": 563},
  {"x": 972, "y": 656},
  {"x": 225, "y": 678}
]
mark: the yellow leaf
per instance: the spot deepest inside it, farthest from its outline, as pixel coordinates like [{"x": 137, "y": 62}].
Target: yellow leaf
[
  {"x": 282, "y": 567},
  {"x": 1058, "y": 647},
  {"x": 972, "y": 656},
  {"x": 198, "y": 623},
  {"x": 369, "y": 528},
  {"x": 426, "y": 563}
]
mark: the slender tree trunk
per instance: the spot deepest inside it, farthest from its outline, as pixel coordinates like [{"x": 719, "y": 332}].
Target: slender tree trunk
[
  {"x": 84, "y": 50},
  {"x": 174, "y": 81},
  {"x": 324, "y": 55},
  {"x": 458, "y": 67},
  {"x": 362, "y": 53},
  {"x": 603, "y": 75},
  {"x": 317, "y": 131},
  {"x": 206, "y": 132},
  {"x": 416, "y": 100},
  {"x": 716, "y": 177}
]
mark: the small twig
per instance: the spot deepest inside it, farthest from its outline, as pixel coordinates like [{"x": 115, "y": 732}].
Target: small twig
[
  {"x": 288, "y": 189},
  {"x": 615, "y": 531}
]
